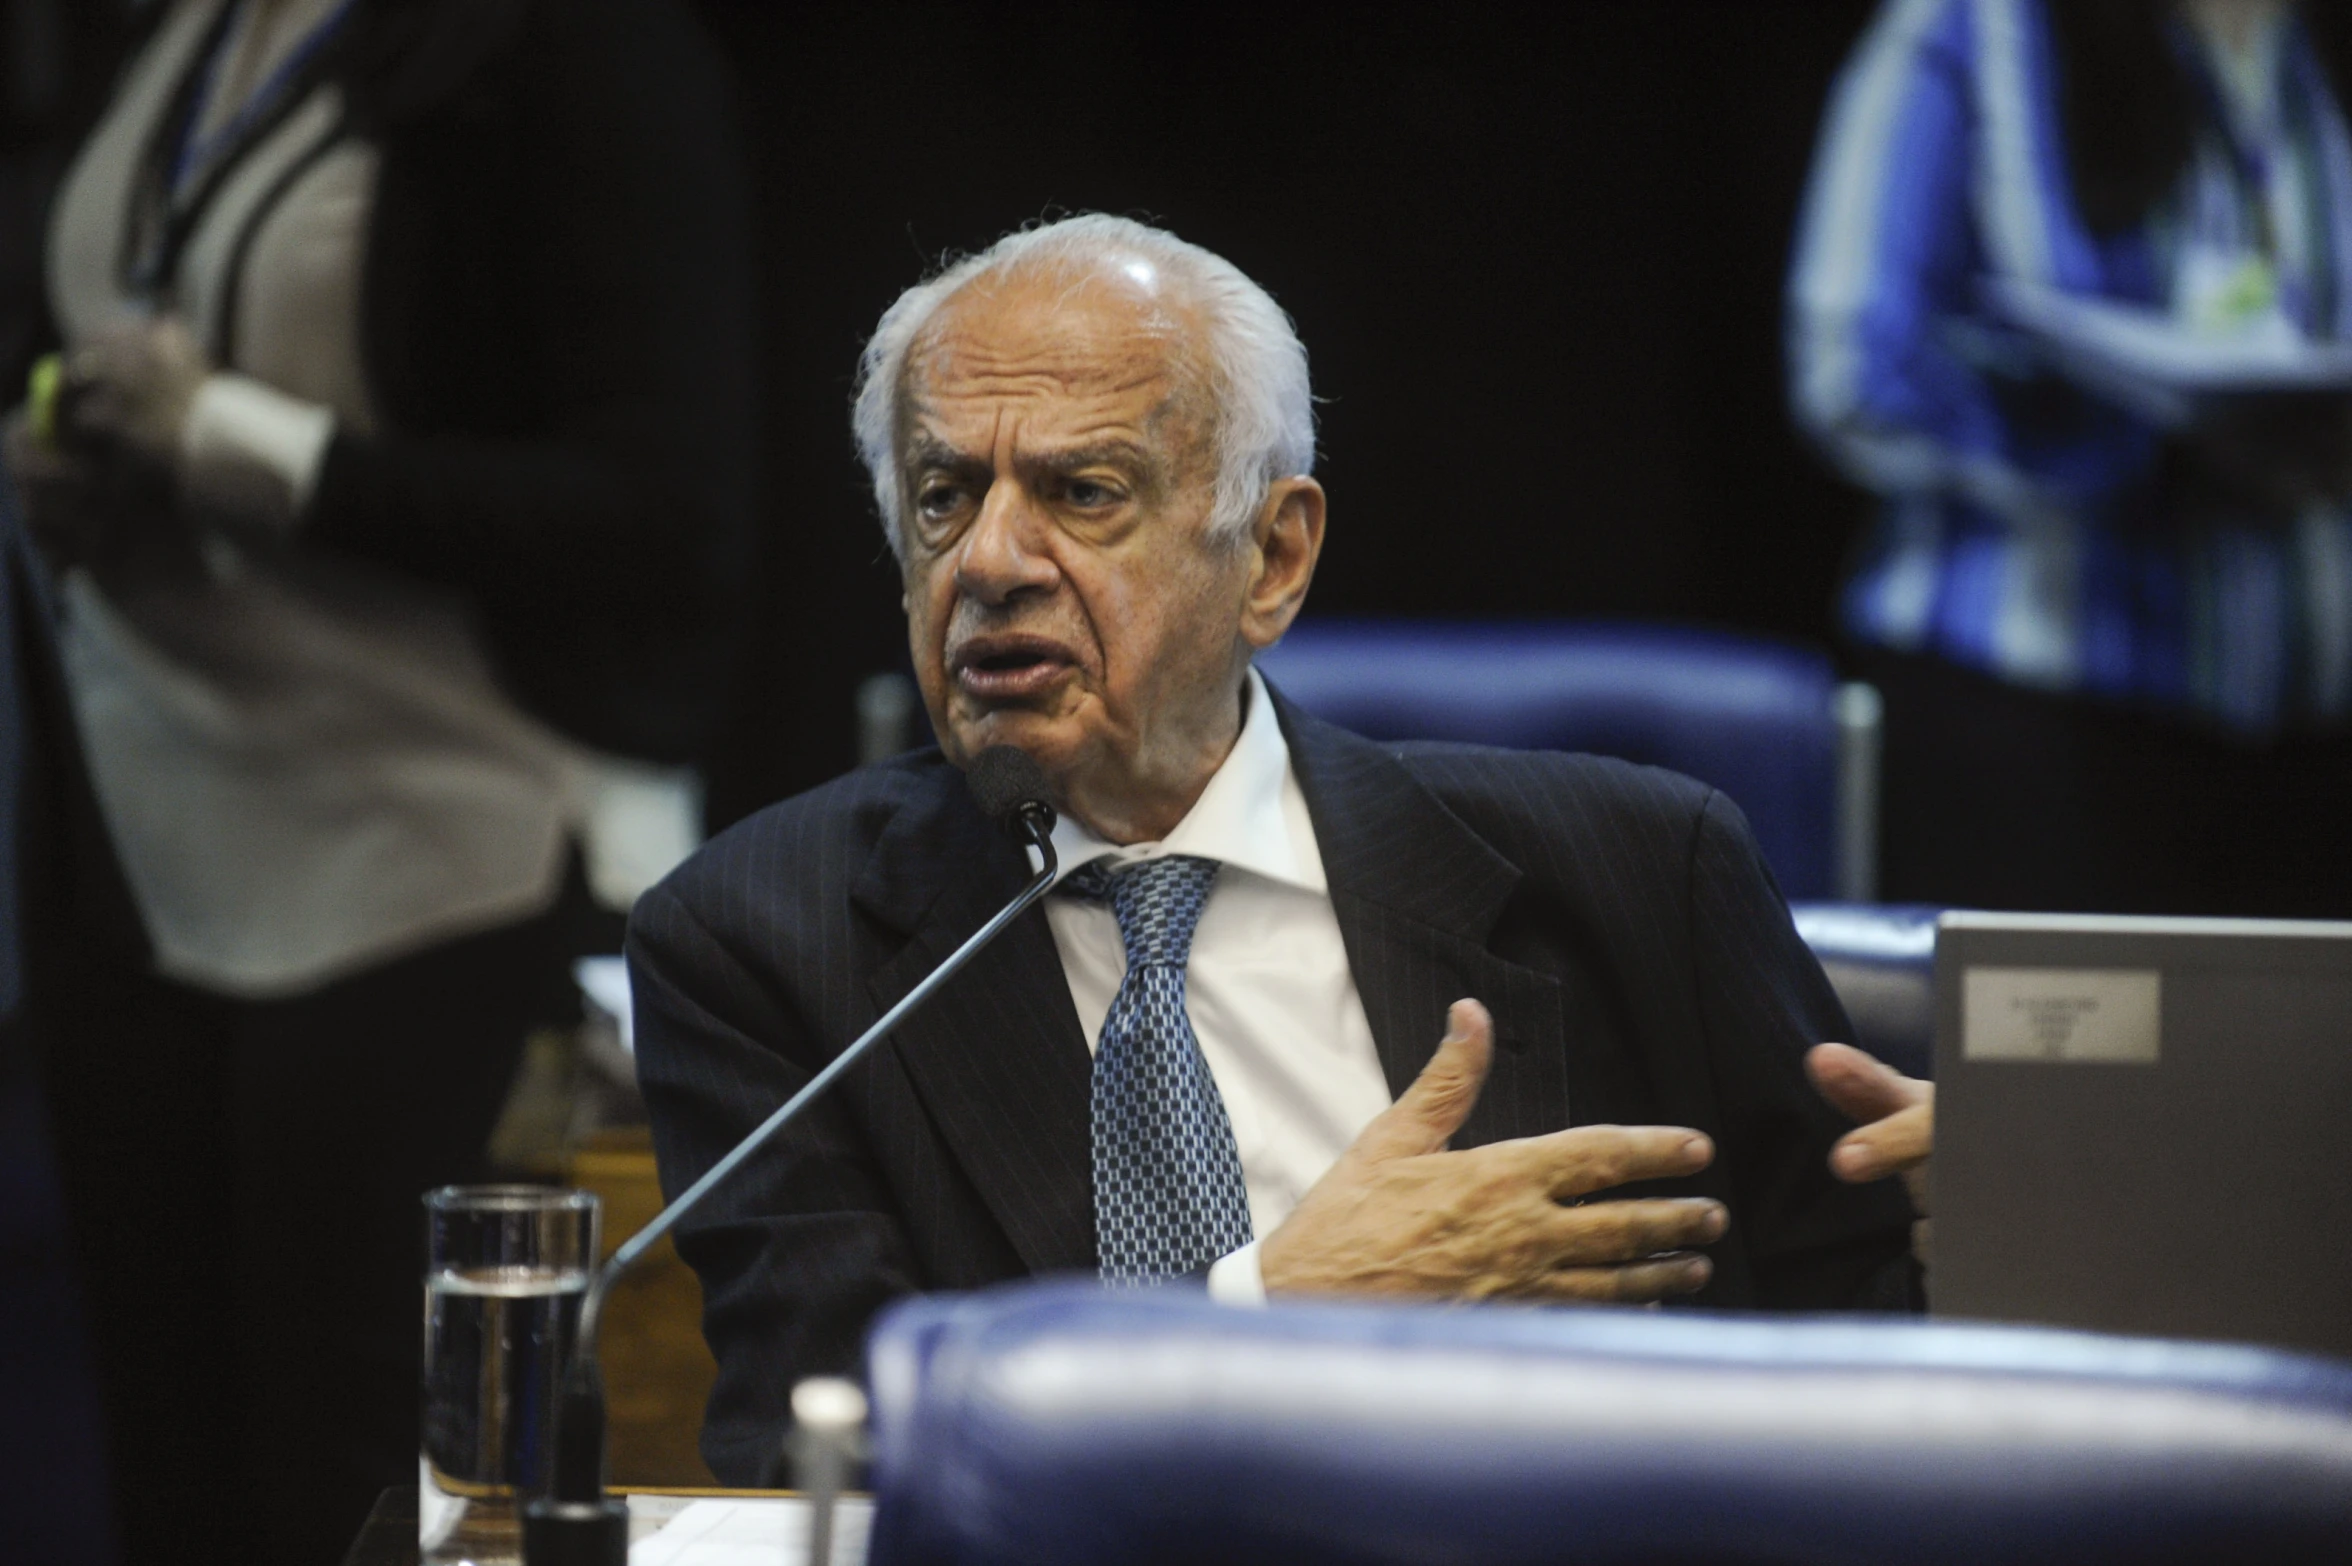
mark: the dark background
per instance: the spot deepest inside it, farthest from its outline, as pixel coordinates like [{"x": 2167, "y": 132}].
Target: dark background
[{"x": 1536, "y": 254}]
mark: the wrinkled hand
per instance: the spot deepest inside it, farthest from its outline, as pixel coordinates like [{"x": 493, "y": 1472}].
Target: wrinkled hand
[
  {"x": 1400, "y": 1215},
  {"x": 1897, "y": 1134},
  {"x": 133, "y": 383}
]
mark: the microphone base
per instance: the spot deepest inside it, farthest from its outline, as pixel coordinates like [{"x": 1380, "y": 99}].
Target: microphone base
[{"x": 575, "y": 1533}]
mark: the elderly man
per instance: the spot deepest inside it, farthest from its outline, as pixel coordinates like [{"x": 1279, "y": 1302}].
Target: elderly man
[{"x": 1307, "y": 1014}]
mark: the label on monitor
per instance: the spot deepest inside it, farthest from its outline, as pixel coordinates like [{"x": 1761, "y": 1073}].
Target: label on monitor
[{"x": 2061, "y": 1014}]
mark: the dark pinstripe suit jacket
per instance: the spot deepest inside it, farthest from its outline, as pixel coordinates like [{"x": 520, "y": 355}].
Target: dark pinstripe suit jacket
[{"x": 1616, "y": 920}]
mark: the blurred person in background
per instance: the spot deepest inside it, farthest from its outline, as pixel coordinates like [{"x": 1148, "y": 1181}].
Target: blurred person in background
[
  {"x": 2117, "y": 657},
  {"x": 399, "y": 479}
]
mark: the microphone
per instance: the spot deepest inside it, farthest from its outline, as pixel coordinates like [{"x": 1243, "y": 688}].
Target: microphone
[
  {"x": 1011, "y": 789},
  {"x": 576, "y": 1523}
]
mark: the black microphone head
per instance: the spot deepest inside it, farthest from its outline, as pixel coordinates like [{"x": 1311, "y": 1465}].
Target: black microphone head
[{"x": 1010, "y": 787}]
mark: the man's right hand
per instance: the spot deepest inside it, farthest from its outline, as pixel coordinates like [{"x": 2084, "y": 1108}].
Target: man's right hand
[{"x": 1398, "y": 1214}]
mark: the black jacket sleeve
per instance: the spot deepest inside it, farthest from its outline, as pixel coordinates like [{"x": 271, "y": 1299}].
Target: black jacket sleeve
[
  {"x": 800, "y": 1249},
  {"x": 1813, "y": 1242},
  {"x": 559, "y": 328}
]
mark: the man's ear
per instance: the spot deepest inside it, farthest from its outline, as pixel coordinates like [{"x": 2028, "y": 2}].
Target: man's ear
[{"x": 1285, "y": 542}]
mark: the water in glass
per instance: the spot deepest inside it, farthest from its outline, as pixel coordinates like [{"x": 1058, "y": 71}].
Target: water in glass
[{"x": 501, "y": 1309}]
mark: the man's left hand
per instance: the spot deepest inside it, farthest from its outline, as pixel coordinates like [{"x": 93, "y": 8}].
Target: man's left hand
[{"x": 1897, "y": 1134}]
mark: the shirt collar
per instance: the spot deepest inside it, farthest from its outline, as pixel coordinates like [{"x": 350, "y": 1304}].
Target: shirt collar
[{"x": 1252, "y": 816}]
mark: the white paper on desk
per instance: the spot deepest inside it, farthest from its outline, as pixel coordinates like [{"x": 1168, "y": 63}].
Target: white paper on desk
[
  {"x": 2156, "y": 366},
  {"x": 753, "y": 1532}
]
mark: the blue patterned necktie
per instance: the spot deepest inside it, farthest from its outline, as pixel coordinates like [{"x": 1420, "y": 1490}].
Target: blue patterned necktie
[{"x": 1168, "y": 1192}]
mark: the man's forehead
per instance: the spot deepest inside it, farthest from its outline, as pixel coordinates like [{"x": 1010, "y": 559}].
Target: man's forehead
[{"x": 1038, "y": 335}]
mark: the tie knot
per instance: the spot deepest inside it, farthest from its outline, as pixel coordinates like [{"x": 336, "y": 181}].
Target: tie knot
[{"x": 1158, "y": 903}]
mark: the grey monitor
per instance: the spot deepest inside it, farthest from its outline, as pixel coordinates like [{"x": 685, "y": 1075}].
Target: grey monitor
[{"x": 2145, "y": 1125}]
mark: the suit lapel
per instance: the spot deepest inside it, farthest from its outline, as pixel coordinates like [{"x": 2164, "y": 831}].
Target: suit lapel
[
  {"x": 1003, "y": 1068},
  {"x": 1417, "y": 893},
  {"x": 997, "y": 1056}
]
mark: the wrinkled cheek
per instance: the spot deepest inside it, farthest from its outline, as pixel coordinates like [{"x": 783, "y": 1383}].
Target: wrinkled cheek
[
  {"x": 1122, "y": 671},
  {"x": 1152, "y": 643},
  {"x": 928, "y": 614}
]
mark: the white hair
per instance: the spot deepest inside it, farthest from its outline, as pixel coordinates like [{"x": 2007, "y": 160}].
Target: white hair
[{"x": 1264, "y": 412}]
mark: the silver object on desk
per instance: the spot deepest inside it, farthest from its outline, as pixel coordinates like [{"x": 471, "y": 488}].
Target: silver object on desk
[{"x": 827, "y": 1445}]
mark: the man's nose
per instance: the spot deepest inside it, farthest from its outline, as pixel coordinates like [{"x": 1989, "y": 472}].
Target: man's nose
[{"x": 1002, "y": 555}]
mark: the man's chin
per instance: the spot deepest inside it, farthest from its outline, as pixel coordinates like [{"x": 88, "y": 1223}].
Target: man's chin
[{"x": 1052, "y": 740}]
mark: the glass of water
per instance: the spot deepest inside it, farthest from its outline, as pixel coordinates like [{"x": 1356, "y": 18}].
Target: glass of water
[{"x": 506, "y": 1267}]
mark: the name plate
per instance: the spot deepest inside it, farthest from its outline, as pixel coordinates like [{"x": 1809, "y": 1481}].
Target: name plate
[{"x": 2061, "y": 1014}]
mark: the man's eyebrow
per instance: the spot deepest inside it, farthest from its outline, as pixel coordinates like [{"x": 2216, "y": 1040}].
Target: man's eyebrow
[
  {"x": 925, "y": 450},
  {"x": 1111, "y": 452}
]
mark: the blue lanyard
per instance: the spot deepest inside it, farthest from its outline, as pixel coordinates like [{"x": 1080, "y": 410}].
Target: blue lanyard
[{"x": 193, "y": 154}]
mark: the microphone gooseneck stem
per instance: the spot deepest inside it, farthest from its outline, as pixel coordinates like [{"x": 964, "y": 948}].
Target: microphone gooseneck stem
[{"x": 579, "y": 1446}]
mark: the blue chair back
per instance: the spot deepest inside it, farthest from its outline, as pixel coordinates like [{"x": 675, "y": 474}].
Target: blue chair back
[
  {"x": 1057, "y": 1424},
  {"x": 1880, "y": 958},
  {"x": 1754, "y": 718}
]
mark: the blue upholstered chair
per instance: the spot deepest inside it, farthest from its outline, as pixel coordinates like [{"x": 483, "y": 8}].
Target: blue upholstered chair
[
  {"x": 1764, "y": 721},
  {"x": 1056, "y": 1424},
  {"x": 1880, "y": 957}
]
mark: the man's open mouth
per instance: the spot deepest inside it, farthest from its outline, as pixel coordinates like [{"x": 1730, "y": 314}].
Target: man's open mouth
[{"x": 1005, "y": 668}]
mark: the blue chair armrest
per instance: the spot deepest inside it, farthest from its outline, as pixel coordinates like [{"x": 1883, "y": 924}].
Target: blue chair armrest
[{"x": 1880, "y": 958}]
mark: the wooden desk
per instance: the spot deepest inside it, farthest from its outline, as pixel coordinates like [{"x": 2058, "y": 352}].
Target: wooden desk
[{"x": 657, "y": 1371}]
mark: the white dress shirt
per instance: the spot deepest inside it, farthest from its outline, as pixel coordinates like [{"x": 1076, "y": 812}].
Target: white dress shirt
[{"x": 1268, "y": 987}]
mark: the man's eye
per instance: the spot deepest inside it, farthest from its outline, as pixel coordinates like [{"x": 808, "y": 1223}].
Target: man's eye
[
  {"x": 939, "y": 500},
  {"x": 1088, "y": 494}
]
